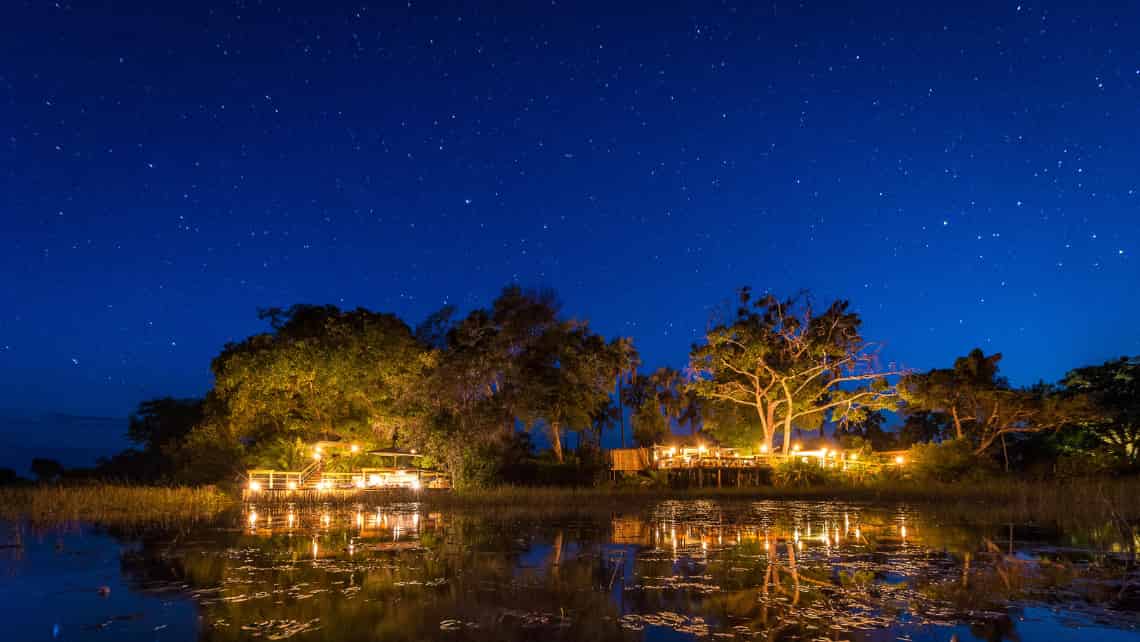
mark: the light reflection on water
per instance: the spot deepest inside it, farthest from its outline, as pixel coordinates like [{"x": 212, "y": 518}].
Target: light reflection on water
[{"x": 770, "y": 570}]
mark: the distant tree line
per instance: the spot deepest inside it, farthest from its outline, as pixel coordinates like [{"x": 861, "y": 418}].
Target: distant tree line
[{"x": 469, "y": 391}]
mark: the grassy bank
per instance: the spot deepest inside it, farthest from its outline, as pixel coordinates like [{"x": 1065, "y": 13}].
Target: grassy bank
[
  {"x": 121, "y": 504},
  {"x": 1000, "y": 499},
  {"x": 1012, "y": 500}
]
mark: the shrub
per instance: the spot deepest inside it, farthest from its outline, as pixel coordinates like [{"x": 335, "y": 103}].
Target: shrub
[
  {"x": 794, "y": 472},
  {"x": 948, "y": 461}
]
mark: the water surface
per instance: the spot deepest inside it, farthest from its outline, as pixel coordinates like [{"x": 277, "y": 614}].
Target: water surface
[{"x": 676, "y": 570}]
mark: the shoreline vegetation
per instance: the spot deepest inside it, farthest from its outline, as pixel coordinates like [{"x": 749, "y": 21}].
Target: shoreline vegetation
[
  {"x": 111, "y": 503},
  {"x": 521, "y": 392},
  {"x": 1012, "y": 500}
]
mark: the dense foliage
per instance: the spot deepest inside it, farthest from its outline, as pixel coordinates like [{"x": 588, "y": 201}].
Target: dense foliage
[{"x": 469, "y": 392}]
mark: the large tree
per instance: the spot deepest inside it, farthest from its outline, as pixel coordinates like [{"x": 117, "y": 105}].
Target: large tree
[
  {"x": 567, "y": 377},
  {"x": 958, "y": 391},
  {"x": 161, "y": 424},
  {"x": 985, "y": 409},
  {"x": 657, "y": 402},
  {"x": 791, "y": 366},
  {"x": 322, "y": 373},
  {"x": 1113, "y": 389},
  {"x": 520, "y": 363}
]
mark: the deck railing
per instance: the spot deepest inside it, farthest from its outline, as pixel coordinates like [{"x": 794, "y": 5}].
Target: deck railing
[
  {"x": 269, "y": 479},
  {"x": 767, "y": 460}
]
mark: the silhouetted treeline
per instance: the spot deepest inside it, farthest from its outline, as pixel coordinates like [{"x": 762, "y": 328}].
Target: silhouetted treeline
[{"x": 469, "y": 391}]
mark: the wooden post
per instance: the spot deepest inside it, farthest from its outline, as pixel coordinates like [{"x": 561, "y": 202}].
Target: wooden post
[{"x": 718, "y": 469}]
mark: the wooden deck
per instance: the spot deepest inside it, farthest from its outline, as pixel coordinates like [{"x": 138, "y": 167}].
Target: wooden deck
[
  {"x": 316, "y": 480},
  {"x": 702, "y": 466}
]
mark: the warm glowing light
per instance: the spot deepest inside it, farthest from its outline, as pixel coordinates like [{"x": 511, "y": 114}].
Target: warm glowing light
[
  {"x": 672, "y": 451},
  {"x": 253, "y": 519},
  {"x": 358, "y": 482},
  {"x": 326, "y": 519},
  {"x": 254, "y": 486},
  {"x": 413, "y": 451},
  {"x": 900, "y": 460},
  {"x": 701, "y": 449},
  {"x": 416, "y": 484},
  {"x": 823, "y": 452},
  {"x": 314, "y": 548},
  {"x": 290, "y": 519},
  {"x": 902, "y": 531},
  {"x": 854, "y": 456},
  {"x": 763, "y": 448},
  {"x": 354, "y": 449},
  {"x": 374, "y": 480},
  {"x": 324, "y": 484},
  {"x": 796, "y": 447},
  {"x": 291, "y": 485},
  {"x": 317, "y": 455}
]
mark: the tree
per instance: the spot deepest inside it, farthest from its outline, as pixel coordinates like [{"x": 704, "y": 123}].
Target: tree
[
  {"x": 956, "y": 391},
  {"x": 322, "y": 373},
  {"x": 475, "y": 392},
  {"x": 566, "y": 378},
  {"x": 985, "y": 409},
  {"x": 688, "y": 409},
  {"x": 626, "y": 363},
  {"x": 518, "y": 363},
  {"x": 9, "y": 477},
  {"x": 924, "y": 426},
  {"x": 791, "y": 366},
  {"x": 870, "y": 429},
  {"x": 658, "y": 401},
  {"x": 649, "y": 398},
  {"x": 158, "y": 425},
  {"x": 47, "y": 470},
  {"x": 1113, "y": 389}
]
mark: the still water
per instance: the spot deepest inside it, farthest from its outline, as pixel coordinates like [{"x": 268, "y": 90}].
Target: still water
[{"x": 676, "y": 570}]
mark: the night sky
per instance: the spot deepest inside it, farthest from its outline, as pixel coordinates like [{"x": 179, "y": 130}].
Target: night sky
[{"x": 965, "y": 175}]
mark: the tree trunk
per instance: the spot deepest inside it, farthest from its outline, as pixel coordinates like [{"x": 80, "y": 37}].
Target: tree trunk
[
  {"x": 957, "y": 421},
  {"x": 556, "y": 440},
  {"x": 768, "y": 424},
  {"x": 621, "y": 414},
  {"x": 787, "y": 418},
  {"x": 1004, "y": 452}
]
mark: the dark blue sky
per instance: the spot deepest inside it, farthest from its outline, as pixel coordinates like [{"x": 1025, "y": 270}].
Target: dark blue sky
[{"x": 966, "y": 175}]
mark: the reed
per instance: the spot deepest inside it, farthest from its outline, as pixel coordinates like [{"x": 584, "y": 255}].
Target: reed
[
  {"x": 998, "y": 499},
  {"x": 1010, "y": 500},
  {"x": 112, "y": 503}
]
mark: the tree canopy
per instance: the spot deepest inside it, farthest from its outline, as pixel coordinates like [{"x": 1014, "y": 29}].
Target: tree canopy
[
  {"x": 468, "y": 391},
  {"x": 984, "y": 408},
  {"x": 789, "y": 365},
  {"x": 1113, "y": 390},
  {"x": 322, "y": 373}
]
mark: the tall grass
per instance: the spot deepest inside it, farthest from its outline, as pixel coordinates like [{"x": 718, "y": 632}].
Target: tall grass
[
  {"x": 998, "y": 499},
  {"x": 111, "y": 503},
  {"x": 1008, "y": 500}
]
